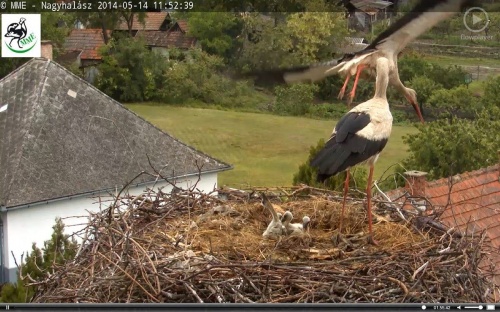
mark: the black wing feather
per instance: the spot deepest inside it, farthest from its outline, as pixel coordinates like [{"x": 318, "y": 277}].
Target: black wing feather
[
  {"x": 345, "y": 149},
  {"x": 350, "y": 123},
  {"x": 422, "y": 7},
  {"x": 274, "y": 76}
]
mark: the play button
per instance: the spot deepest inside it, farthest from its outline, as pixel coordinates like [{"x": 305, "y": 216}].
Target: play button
[{"x": 476, "y": 19}]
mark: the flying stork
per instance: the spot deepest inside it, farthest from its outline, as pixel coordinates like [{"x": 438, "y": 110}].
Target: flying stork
[
  {"x": 388, "y": 44},
  {"x": 359, "y": 137}
]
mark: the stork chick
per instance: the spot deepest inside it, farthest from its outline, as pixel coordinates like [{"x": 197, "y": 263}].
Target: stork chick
[
  {"x": 275, "y": 229},
  {"x": 294, "y": 228}
]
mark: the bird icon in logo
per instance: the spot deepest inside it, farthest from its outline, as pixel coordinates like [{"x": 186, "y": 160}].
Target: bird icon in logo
[{"x": 17, "y": 31}]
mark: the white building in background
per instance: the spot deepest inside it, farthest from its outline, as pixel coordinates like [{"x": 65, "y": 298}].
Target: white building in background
[{"x": 63, "y": 143}]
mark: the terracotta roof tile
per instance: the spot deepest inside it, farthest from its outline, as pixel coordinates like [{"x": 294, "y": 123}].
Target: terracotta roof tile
[
  {"x": 86, "y": 40},
  {"x": 183, "y": 25},
  {"x": 474, "y": 198},
  {"x": 152, "y": 21},
  {"x": 167, "y": 39}
]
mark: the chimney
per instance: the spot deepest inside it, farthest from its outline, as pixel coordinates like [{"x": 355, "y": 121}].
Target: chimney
[
  {"x": 47, "y": 49},
  {"x": 416, "y": 182}
]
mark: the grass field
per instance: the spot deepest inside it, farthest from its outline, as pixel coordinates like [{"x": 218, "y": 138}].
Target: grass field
[{"x": 265, "y": 150}]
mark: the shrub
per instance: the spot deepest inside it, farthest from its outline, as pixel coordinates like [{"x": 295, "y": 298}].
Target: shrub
[
  {"x": 459, "y": 99},
  {"x": 424, "y": 87},
  {"x": 39, "y": 262},
  {"x": 412, "y": 65},
  {"x": 294, "y": 100},
  {"x": 328, "y": 88},
  {"x": 492, "y": 91},
  {"x": 449, "y": 77},
  {"x": 307, "y": 174},
  {"x": 447, "y": 147}
]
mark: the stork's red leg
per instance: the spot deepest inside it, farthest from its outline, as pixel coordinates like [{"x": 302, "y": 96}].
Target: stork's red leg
[
  {"x": 344, "y": 87},
  {"x": 353, "y": 91},
  {"x": 369, "y": 204},
  {"x": 346, "y": 190}
]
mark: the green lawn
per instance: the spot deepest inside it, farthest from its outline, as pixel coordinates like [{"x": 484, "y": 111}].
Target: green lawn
[{"x": 264, "y": 149}]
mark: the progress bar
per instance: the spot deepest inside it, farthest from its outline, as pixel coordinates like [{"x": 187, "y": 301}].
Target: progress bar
[{"x": 275, "y": 307}]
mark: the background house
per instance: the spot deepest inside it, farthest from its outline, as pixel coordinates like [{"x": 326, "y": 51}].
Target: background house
[
  {"x": 176, "y": 37},
  {"x": 471, "y": 203},
  {"x": 152, "y": 21},
  {"x": 82, "y": 49},
  {"x": 363, "y": 13},
  {"x": 63, "y": 143}
]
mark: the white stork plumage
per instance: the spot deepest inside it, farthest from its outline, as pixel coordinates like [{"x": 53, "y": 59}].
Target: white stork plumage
[
  {"x": 388, "y": 44},
  {"x": 359, "y": 137}
]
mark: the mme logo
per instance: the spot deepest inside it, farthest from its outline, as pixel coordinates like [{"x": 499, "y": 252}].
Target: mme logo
[{"x": 21, "y": 35}]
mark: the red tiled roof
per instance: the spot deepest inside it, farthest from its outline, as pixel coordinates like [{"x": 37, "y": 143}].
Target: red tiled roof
[
  {"x": 152, "y": 21},
  {"x": 474, "y": 203},
  {"x": 167, "y": 39},
  {"x": 183, "y": 25},
  {"x": 86, "y": 40}
]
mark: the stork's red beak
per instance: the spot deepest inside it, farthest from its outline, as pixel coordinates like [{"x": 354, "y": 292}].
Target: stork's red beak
[{"x": 417, "y": 109}]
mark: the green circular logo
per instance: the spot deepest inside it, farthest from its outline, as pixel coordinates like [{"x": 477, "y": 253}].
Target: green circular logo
[{"x": 18, "y": 39}]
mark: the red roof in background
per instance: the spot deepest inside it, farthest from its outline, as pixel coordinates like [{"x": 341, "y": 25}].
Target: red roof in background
[
  {"x": 152, "y": 21},
  {"x": 183, "y": 25},
  {"x": 474, "y": 203},
  {"x": 475, "y": 196},
  {"x": 86, "y": 40},
  {"x": 167, "y": 39}
]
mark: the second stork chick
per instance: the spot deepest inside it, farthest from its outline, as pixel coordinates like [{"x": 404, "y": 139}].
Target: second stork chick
[{"x": 294, "y": 228}]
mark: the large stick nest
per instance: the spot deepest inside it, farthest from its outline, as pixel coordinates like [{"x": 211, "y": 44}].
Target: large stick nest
[{"x": 191, "y": 247}]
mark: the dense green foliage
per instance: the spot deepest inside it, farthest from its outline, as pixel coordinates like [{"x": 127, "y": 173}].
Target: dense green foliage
[
  {"x": 39, "y": 263},
  {"x": 307, "y": 174},
  {"x": 294, "y": 100},
  {"x": 452, "y": 101},
  {"x": 447, "y": 147},
  {"x": 129, "y": 71}
]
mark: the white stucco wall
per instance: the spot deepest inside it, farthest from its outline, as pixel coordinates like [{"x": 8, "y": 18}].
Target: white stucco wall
[{"x": 34, "y": 224}]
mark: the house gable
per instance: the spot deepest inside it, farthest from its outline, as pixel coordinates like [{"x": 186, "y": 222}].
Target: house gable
[
  {"x": 87, "y": 41},
  {"x": 152, "y": 21}
]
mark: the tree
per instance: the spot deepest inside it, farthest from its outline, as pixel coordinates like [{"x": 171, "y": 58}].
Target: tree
[
  {"x": 315, "y": 34},
  {"x": 307, "y": 174},
  {"x": 448, "y": 147},
  {"x": 266, "y": 44},
  {"x": 216, "y": 31},
  {"x": 424, "y": 87},
  {"x": 449, "y": 77},
  {"x": 280, "y": 40},
  {"x": 129, "y": 71},
  {"x": 459, "y": 99},
  {"x": 411, "y": 65},
  {"x": 39, "y": 263}
]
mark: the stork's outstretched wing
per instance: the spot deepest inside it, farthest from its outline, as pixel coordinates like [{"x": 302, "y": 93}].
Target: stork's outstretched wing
[{"x": 425, "y": 15}]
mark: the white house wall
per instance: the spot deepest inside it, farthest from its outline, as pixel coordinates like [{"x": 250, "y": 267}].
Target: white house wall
[{"x": 33, "y": 224}]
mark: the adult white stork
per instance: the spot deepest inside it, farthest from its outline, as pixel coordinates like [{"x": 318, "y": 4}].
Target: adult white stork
[
  {"x": 388, "y": 44},
  {"x": 359, "y": 137}
]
